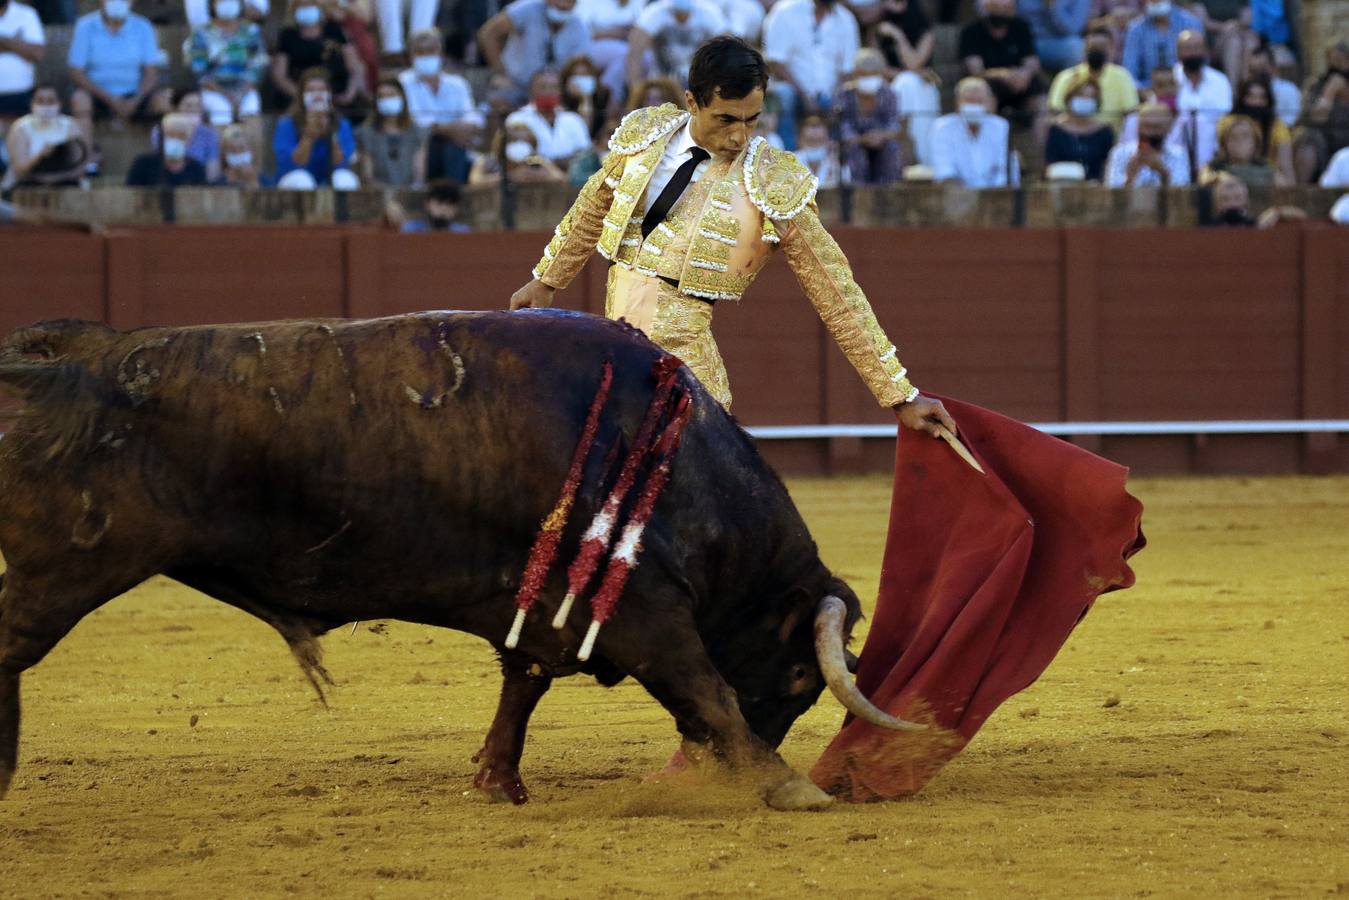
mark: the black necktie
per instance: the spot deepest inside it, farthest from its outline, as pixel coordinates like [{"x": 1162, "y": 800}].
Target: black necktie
[{"x": 673, "y": 191}]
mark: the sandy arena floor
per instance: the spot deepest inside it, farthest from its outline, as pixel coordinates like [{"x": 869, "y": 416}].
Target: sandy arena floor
[{"x": 171, "y": 748}]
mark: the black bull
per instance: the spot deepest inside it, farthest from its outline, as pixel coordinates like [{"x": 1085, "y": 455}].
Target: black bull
[{"x": 318, "y": 473}]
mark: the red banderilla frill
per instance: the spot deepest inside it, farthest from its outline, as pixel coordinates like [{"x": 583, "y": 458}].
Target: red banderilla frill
[
  {"x": 595, "y": 542},
  {"x": 544, "y": 551},
  {"x": 624, "y": 559}
]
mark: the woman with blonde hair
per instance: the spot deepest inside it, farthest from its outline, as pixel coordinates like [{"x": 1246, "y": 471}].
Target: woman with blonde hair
[{"x": 1239, "y": 154}]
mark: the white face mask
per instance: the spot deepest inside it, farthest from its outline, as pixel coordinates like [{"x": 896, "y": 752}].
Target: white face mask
[
  {"x": 46, "y": 112},
  {"x": 813, "y": 154},
  {"x": 317, "y": 101},
  {"x": 582, "y": 85},
  {"x": 117, "y": 10},
  {"x": 1157, "y": 10},
  {"x": 519, "y": 151},
  {"x": 241, "y": 160},
  {"x": 426, "y": 66},
  {"x": 389, "y": 106},
  {"x": 228, "y": 9},
  {"x": 973, "y": 112},
  {"x": 174, "y": 148},
  {"x": 870, "y": 84},
  {"x": 1083, "y": 106},
  {"x": 557, "y": 16},
  {"x": 306, "y": 15}
]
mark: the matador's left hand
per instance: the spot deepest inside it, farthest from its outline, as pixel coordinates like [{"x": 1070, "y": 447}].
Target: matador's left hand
[{"x": 925, "y": 414}]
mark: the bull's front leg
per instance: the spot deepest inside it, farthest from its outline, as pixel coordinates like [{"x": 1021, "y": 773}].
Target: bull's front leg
[{"x": 523, "y": 685}]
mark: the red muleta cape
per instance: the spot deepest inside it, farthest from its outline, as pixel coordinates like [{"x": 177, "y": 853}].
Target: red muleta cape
[{"x": 984, "y": 578}]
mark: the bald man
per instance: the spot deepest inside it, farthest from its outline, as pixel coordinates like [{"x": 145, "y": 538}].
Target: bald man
[{"x": 169, "y": 165}]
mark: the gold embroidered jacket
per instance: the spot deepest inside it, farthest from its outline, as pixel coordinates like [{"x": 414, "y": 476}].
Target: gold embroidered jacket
[{"x": 724, "y": 233}]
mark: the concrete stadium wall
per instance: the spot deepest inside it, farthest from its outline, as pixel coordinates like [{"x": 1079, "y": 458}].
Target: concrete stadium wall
[{"x": 1043, "y": 325}]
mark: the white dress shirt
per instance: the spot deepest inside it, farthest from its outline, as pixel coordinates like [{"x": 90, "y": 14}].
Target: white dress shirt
[
  {"x": 974, "y": 160},
  {"x": 1198, "y": 109},
  {"x": 816, "y": 53},
  {"x": 1117, "y": 166},
  {"x": 448, "y": 103},
  {"x": 565, "y": 137},
  {"x": 744, "y": 18},
  {"x": 676, "y": 154}
]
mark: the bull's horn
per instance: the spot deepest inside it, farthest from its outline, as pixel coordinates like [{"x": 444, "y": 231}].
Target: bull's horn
[{"x": 829, "y": 618}]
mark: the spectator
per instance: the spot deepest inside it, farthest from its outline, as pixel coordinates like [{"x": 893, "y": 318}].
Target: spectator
[
  {"x": 1275, "y": 140},
  {"x": 744, "y": 19},
  {"x": 1165, "y": 88},
  {"x": 1339, "y": 212},
  {"x": 392, "y": 146},
  {"x": 114, "y": 64},
  {"x": 421, "y": 15},
  {"x": 1114, "y": 16},
  {"x": 1336, "y": 174},
  {"x": 441, "y": 104},
  {"x": 817, "y": 151},
  {"x": 1118, "y": 93},
  {"x": 357, "y": 20},
  {"x": 1057, "y": 27},
  {"x": 969, "y": 146},
  {"x": 583, "y": 94},
  {"x": 530, "y": 35},
  {"x": 515, "y": 153},
  {"x": 1229, "y": 198},
  {"x": 22, "y": 46},
  {"x": 228, "y": 58},
  {"x": 1149, "y": 159},
  {"x": 1325, "y": 123},
  {"x": 560, "y": 133},
  {"x": 868, "y": 119},
  {"x": 45, "y": 147},
  {"x": 170, "y": 165},
  {"x": 1150, "y": 41},
  {"x": 809, "y": 45},
  {"x": 204, "y": 144},
  {"x": 904, "y": 36},
  {"x": 1000, "y": 49},
  {"x": 313, "y": 144},
  {"x": 1079, "y": 135},
  {"x": 1287, "y": 97},
  {"x": 241, "y": 167},
  {"x": 588, "y": 163},
  {"x": 311, "y": 40},
  {"x": 199, "y": 12},
  {"x": 1205, "y": 95},
  {"x": 610, "y": 23},
  {"x": 654, "y": 92},
  {"x": 666, "y": 34},
  {"x": 442, "y": 211},
  {"x": 1239, "y": 154}
]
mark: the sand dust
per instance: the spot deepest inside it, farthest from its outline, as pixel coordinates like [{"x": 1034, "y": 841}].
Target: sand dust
[{"x": 1192, "y": 737}]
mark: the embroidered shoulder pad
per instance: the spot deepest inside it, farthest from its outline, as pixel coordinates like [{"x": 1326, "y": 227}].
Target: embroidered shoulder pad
[
  {"x": 643, "y": 127},
  {"x": 777, "y": 182}
]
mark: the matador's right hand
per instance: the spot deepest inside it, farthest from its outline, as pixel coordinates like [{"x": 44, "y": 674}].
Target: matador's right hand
[{"x": 535, "y": 294}]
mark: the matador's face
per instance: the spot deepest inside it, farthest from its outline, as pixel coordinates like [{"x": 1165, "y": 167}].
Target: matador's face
[{"x": 724, "y": 127}]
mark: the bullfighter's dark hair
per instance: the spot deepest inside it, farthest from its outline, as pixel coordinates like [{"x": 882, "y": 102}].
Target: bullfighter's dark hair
[{"x": 726, "y": 66}]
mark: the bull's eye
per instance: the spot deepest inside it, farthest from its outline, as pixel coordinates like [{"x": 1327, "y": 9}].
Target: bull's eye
[{"x": 798, "y": 679}]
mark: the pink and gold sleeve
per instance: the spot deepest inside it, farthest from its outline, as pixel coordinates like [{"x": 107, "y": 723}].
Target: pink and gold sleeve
[{"x": 576, "y": 235}]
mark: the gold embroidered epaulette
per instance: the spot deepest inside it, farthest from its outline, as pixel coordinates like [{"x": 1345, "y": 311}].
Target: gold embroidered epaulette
[
  {"x": 643, "y": 127},
  {"x": 778, "y": 183}
]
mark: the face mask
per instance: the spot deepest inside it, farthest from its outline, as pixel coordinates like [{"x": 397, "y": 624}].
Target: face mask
[
  {"x": 997, "y": 20},
  {"x": 973, "y": 112},
  {"x": 440, "y": 223},
  {"x": 316, "y": 102},
  {"x": 813, "y": 154},
  {"x": 46, "y": 112},
  {"x": 426, "y": 66},
  {"x": 545, "y": 102},
  {"x": 117, "y": 10},
  {"x": 519, "y": 151},
  {"x": 241, "y": 160},
  {"x": 228, "y": 9},
  {"x": 1234, "y": 217},
  {"x": 870, "y": 84},
  {"x": 1193, "y": 64},
  {"x": 557, "y": 16},
  {"x": 1096, "y": 58},
  {"x": 1083, "y": 106},
  {"x": 389, "y": 106},
  {"x": 306, "y": 15},
  {"x": 174, "y": 148},
  {"x": 582, "y": 85},
  {"x": 1159, "y": 10}
]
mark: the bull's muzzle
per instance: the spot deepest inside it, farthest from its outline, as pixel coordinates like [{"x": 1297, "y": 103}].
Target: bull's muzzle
[{"x": 830, "y": 616}]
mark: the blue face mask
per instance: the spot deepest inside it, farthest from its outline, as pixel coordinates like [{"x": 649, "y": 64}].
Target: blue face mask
[
  {"x": 304, "y": 15},
  {"x": 117, "y": 10}
]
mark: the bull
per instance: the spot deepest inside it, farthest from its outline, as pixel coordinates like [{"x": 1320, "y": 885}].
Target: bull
[{"x": 319, "y": 473}]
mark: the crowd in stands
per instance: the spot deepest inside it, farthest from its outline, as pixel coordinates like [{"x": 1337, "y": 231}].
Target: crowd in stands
[{"x": 331, "y": 93}]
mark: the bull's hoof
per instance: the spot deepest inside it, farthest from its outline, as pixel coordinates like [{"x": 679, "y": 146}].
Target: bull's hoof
[
  {"x": 797, "y": 795},
  {"x": 501, "y": 787}
]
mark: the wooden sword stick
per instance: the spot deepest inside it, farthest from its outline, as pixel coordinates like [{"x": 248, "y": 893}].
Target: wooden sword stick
[{"x": 960, "y": 448}]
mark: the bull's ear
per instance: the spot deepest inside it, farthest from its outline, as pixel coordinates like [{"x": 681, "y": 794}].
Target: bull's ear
[{"x": 797, "y": 607}]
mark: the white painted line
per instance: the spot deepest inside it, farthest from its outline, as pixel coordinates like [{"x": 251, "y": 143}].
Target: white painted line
[{"x": 1266, "y": 426}]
